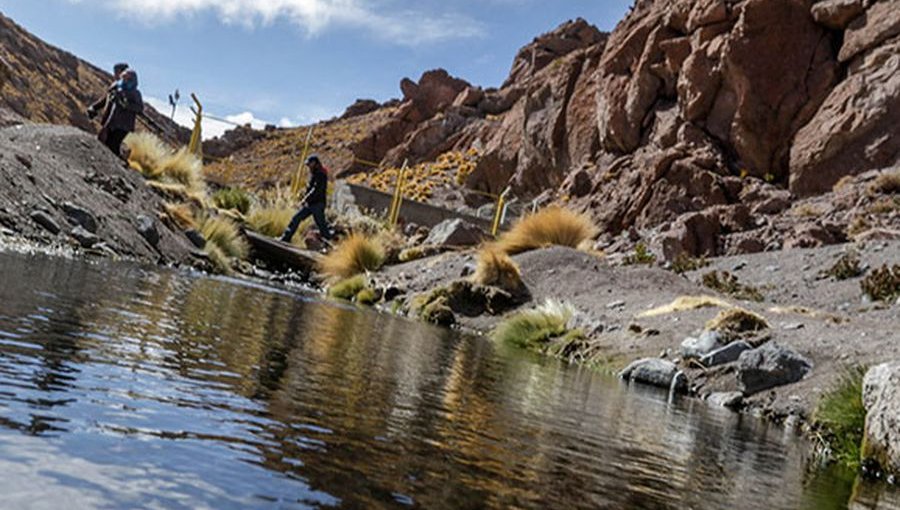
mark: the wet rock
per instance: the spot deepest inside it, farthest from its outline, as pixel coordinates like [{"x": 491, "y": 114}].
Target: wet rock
[
  {"x": 881, "y": 397},
  {"x": 708, "y": 342},
  {"x": 655, "y": 372},
  {"x": 80, "y": 216},
  {"x": 147, "y": 228},
  {"x": 770, "y": 366},
  {"x": 729, "y": 399},
  {"x": 84, "y": 237},
  {"x": 727, "y": 354},
  {"x": 46, "y": 221},
  {"x": 455, "y": 232}
]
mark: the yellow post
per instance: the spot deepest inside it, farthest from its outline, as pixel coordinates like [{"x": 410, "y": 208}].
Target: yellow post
[
  {"x": 394, "y": 214},
  {"x": 196, "y": 146},
  {"x": 499, "y": 213},
  {"x": 297, "y": 181}
]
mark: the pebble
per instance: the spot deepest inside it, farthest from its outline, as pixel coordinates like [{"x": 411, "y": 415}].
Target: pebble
[
  {"x": 740, "y": 265},
  {"x": 616, "y": 304},
  {"x": 793, "y": 326},
  {"x": 773, "y": 269}
]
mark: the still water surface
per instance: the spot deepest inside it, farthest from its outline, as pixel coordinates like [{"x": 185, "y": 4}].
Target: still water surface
[{"x": 131, "y": 387}]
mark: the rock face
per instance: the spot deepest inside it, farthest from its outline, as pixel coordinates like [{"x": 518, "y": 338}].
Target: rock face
[
  {"x": 770, "y": 366},
  {"x": 881, "y": 397}
]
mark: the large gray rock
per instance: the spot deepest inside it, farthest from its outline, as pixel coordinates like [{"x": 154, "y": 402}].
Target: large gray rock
[
  {"x": 455, "y": 232},
  {"x": 770, "y": 366},
  {"x": 46, "y": 221},
  {"x": 655, "y": 372},
  {"x": 727, "y": 354},
  {"x": 85, "y": 238},
  {"x": 706, "y": 343},
  {"x": 881, "y": 397}
]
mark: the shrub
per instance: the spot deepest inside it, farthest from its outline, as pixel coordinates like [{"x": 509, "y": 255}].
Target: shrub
[
  {"x": 735, "y": 321},
  {"x": 533, "y": 329},
  {"x": 352, "y": 256},
  {"x": 232, "y": 198},
  {"x": 181, "y": 214},
  {"x": 887, "y": 183},
  {"x": 146, "y": 153},
  {"x": 684, "y": 263},
  {"x": 641, "y": 256},
  {"x": 225, "y": 235},
  {"x": 727, "y": 283},
  {"x": 883, "y": 284},
  {"x": 348, "y": 288},
  {"x": 497, "y": 269},
  {"x": 846, "y": 267},
  {"x": 841, "y": 416},
  {"x": 551, "y": 226}
]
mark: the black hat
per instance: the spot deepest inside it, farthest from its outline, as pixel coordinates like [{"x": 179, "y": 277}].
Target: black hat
[
  {"x": 120, "y": 68},
  {"x": 312, "y": 159}
]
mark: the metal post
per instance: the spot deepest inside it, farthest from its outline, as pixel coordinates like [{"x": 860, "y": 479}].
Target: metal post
[
  {"x": 394, "y": 215},
  {"x": 196, "y": 146},
  {"x": 499, "y": 213},
  {"x": 297, "y": 181}
]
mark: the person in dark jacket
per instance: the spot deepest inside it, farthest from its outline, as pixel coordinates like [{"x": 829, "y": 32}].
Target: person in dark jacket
[
  {"x": 121, "y": 106},
  {"x": 314, "y": 204}
]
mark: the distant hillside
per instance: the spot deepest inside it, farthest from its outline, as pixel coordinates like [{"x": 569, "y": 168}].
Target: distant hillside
[{"x": 48, "y": 85}]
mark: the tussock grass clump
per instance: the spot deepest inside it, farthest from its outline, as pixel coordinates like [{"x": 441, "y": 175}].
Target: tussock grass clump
[
  {"x": 846, "y": 267},
  {"x": 146, "y": 153},
  {"x": 887, "y": 184},
  {"x": 184, "y": 168},
  {"x": 883, "y": 284},
  {"x": 352, "y": 256},
  {"x": 548, "y": 227},
  {"x": 641, "y": 256},
  {"x": 232, "y": 198},
  {"x": 727, "y": 283},
  {"x": 736, "y": 321},
  {"x": 685, "y": 303},
  {"x": 534, "y": 329},
  {"x": 684, "y": 263},
  {"x": 181, "y": 214},
  {"x": 841, "y": 416},
  {"x": 495, "y": 268},
  {"x": 225, "y": 235},
  {"x": 348, "y": 288}
]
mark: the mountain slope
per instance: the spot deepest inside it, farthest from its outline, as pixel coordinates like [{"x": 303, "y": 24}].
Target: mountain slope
[{"x": 48, "y": 85}]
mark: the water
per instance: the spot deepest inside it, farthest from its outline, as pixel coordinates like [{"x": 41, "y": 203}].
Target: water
[{"x": 130, "y": 387}]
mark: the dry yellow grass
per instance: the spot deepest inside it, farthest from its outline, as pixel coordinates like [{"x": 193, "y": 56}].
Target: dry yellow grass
[
  {"x": 497, "y": 269},
  {"x": 184, "y": 168},
  {"x": 548, "y": 227},
  {"x": 887, "y": 183},
  {"x": 272, "y": 222},
  {"x": 181, "y": 214},
  {"x": 146, "y": 153},
  {"x": 737, "y": 320},
  {"x": 224, "y": 234},
  {"x": 685, "y": 303},
  {"x": 352, "y": 256}
]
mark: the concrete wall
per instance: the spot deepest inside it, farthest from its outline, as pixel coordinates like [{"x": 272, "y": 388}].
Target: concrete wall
[{"x": 427, "y": 215}]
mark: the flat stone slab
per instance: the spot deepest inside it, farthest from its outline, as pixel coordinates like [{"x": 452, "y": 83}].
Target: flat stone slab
[{"x": 273, "y": 250}]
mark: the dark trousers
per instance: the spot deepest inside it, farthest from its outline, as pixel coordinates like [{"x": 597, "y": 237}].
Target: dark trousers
[
  {"x": 113, "y": 139},
  {"x": 317, "y": 211}
]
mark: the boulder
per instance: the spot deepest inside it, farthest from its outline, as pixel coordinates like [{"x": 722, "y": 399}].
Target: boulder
[
  {"x": 770, "y": 366},
  {"x": 46, "y": 221},
  {"x": 881, "y": 397},
  {"x": 701, "y": 346},
  {"x": 455, "y": 232},
  {"x": 196, "y": 238},
  {"x": 693, "y": 234},
  {"x": 360, "y": 107},
  {"x": 727, "y": 354},
  {"x": 545, "y": 49},
  {"x": 147, "y": 228},
  {"x": 655, "y": 372},
  {"x": 837, "y": 14},
  {"x": 729, "y": 399},
  {"x": 80, "y": 216},
  {"x": 434, "y": 91},
  {"x": 880, "y": 23}
]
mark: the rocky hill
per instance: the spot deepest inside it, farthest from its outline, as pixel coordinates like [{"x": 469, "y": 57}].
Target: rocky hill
[
  {"x": 700, "y": 126},
  {"x": 45, "y": 84}
]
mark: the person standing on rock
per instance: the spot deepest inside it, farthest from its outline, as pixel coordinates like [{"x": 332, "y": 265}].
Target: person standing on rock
[
  {"x": 121, "y": 106},
  {"x": 314, "y": 202}
]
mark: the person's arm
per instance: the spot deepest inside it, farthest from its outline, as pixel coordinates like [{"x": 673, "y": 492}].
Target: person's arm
[{"x": 133, "y": 101}]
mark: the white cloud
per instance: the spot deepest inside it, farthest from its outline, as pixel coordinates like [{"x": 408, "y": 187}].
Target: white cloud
[
  {"x": 211, "y": 128},
  {"x": 402, "y": 26}
]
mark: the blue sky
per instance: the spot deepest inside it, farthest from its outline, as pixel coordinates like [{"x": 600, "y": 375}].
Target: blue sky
[{"x": 296, "y": 61}]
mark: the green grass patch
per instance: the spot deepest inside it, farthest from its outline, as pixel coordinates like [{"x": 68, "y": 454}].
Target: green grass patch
[
  {"x": 534, "y": 329},
  {"x": 641, "y": 256},
  {"x": 841, "y": 416},
  {"x": 232, "y": 198}
]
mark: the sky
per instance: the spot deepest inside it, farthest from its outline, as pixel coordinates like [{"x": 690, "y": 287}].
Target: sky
[{"x": 293, "y": 62}]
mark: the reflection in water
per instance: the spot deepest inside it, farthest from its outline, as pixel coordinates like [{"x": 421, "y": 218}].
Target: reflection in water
[{"x": 128, "y": 387}]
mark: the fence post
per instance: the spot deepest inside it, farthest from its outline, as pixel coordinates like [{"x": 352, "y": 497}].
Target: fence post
[
  {"x": 196, "y": 146},
  {"x": 394, "y": 215},
  {"x": 297, "y": 181},
  {"x": 499, "y": 213}
]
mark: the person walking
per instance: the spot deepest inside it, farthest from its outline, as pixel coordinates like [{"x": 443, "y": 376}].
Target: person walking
[
  {"x": 314, "y": 202},
  {"x": 120, "y": 107}
]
